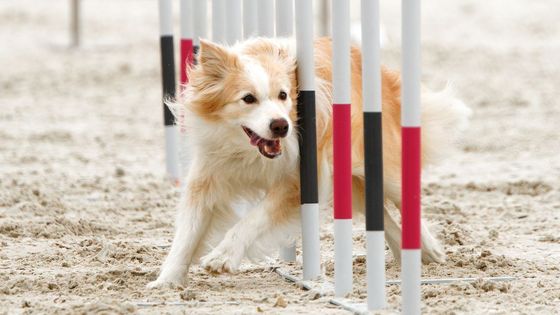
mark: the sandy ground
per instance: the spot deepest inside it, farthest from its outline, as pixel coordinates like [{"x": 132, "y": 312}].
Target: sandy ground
[{"x": 86, "y": 214}]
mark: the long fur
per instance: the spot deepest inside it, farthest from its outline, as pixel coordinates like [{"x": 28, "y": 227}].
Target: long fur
[{"x": 226, "y": 170}]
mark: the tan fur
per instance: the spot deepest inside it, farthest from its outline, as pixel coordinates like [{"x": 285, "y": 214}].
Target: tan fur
[{"x": 226, "y": 169}]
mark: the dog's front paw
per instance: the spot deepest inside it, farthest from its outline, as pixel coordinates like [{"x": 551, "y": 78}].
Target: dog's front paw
[
  {"x": 164, "y": 284},
  {"x": 219, "y": 262}
]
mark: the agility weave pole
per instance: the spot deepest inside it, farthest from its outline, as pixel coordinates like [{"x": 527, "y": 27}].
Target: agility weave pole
[
  {"x": 218, "y": 21},
  {"x": 75, "y": 13},
  {"x": 285, "y": 28},
  {"x": 233, "y": 21},
  {"x": 311, "y": 251},
  {"x": 168, "y": 84},
  {"x": 342, "y": 148},
  {"x": 411, "y": 155},
  {"x": 265, "y": 18},
  {"x": 373, "y": 154},
  {"x": 250, "y": 13},
  {"x": 186, "y": 10},
  {"x": 186, "y": 53},
  {"x": 199, "y": 18},
  {"x": 284, "y": 18}
]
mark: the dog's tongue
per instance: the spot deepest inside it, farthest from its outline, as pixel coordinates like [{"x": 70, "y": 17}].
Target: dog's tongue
[{"x": 255, "y": 139}]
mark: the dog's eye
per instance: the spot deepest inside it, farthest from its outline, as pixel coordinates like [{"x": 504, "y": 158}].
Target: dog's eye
[
  {"x": 249, "y": 99},
  {"x": 283, "y": 96}
]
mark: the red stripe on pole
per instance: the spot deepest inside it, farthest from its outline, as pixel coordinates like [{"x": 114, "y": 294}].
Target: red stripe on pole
[
  {"x": 186, "y": 58},
  {"x": 342, "y": 161},
  {"x": 411, "y": 167}
]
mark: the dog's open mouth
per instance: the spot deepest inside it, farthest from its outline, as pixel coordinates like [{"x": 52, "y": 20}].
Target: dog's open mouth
[{"x": 268, "y": 148}]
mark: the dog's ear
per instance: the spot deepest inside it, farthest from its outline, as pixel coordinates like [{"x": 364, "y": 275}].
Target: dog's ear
[{"x": 216, "y": 60}]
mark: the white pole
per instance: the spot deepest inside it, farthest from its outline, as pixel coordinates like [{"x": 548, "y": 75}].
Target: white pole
[
  {"x": 284, "y": 18},
  {"x": 233, "y": 21},
  {"x": 74, "y": 23},
  {"x": 285, "y": 28},
  {"x": 186, "y": 9},
  {"x": 324, "y": 18},
  {"x": 373, "y": 153},
  {"x": 410, "y": 119},
  {"x": 250, "y": 14},
  {"x": 342, "y": 163},
  {"x": 308, "y": 163},
  {"x": 218, "y": 20},
  {"x": 186, "y": 43},
  {"x": 288, "y": 253},
  {"x": 200, "y": 20},
  {"x": 265, "y": 18}
]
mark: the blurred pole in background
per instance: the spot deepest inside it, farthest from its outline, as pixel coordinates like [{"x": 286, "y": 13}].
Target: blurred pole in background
[
  {"x": 74, "y": 23},
  {"x": 323, "y": 21},
  {"x": 265, "y": 18},
  {"x": 218, "y": 21},
  {"x": 250, "y": 22}
]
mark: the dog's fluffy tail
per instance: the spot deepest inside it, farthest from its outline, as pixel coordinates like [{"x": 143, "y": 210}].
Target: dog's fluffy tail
[{"x": 444, "y": 117}]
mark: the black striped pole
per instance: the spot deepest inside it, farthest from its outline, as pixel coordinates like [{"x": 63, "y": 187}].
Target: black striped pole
[
  {"x": 308, "y": 141},
  {"x": 373, "y": 154},
  {"x": 168, "y": 81}
]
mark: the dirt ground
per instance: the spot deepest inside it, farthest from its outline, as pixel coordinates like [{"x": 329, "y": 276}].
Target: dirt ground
[{"x": 86, "y": 213}]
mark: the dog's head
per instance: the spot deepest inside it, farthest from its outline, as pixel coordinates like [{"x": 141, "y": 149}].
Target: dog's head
[{"x": 250, "y": 89}]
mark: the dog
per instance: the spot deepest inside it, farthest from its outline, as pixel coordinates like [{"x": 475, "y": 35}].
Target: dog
[{"x": 240, "y": 109}]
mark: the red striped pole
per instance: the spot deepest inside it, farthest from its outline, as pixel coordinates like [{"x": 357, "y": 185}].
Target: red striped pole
[
  {"x": 186, "y": 53},
  {"x": 411, "y": 157},
  {"x": 342, "y": 148}
]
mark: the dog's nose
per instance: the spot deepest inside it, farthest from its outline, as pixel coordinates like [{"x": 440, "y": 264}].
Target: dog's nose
[{"x": 279, "y": 127}]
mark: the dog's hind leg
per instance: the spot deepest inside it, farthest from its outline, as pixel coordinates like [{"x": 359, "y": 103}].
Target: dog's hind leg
[
  {"x": 273, "y": 214},
  {"x": 393, "y": 232},
  {"x": 431, "y": 247}
]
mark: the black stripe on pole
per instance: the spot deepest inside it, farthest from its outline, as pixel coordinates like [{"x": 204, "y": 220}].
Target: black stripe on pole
[
  {"x": 373, "y": 156},
  {"x": 195, "y": 50},
  {"x": 167, "y": 77},
  {"x": 307, "y": 147}
]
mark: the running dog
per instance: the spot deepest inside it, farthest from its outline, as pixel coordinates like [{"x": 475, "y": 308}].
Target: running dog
[{"x": 240, "y": 109}]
